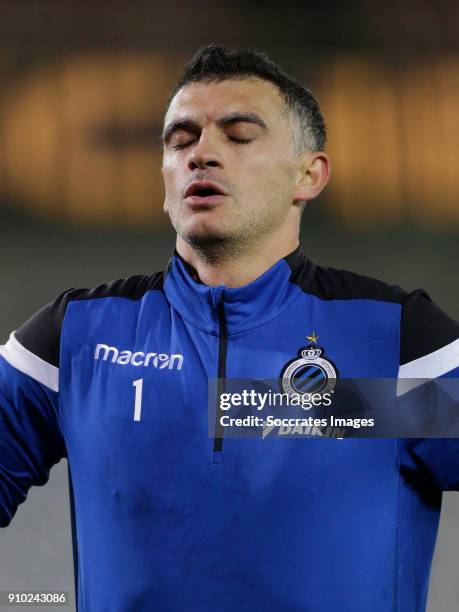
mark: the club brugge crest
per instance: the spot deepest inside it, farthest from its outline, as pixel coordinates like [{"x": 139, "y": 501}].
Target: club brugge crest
[{"x": 310, "y": 372}]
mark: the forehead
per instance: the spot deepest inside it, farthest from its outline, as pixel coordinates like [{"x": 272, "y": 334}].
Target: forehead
[{"x": 206, "y": 101}]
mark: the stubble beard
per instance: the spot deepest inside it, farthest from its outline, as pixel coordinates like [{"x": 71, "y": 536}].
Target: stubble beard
[
  {"x": 213, "y": 247},
  {"x": 217, "y": 247}
]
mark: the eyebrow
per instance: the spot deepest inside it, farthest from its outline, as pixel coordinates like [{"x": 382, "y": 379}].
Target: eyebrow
[{"x": 191, "y": 126}]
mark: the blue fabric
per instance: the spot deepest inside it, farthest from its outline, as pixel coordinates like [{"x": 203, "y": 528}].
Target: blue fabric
[
  {"x": 316, "y": 525},
  {"x": 30, "y": 437}
]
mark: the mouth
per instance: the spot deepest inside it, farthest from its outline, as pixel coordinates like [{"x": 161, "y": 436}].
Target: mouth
[{"x": 204, "y": 192}]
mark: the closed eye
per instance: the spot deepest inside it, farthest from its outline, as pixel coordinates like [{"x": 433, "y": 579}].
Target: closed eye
[
  {"x": 181, "y": 145},
  {"x": 240, "y": 140},
  {"x": 235, "y": 139}
]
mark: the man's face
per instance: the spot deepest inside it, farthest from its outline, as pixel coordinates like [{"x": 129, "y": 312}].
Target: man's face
[{"x": 229, "y": 168}]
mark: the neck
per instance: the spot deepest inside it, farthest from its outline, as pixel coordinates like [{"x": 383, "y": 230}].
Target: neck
[{"x": 236, "y": 267}]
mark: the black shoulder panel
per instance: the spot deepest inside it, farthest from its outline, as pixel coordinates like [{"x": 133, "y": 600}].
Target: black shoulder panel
[
  {"x": 42, "y": 332},
  {"x": 425, "y": 327},
  {"x": 334, "y": 284}
]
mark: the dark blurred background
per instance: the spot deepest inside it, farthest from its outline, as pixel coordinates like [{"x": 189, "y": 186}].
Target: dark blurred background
[{"x": 82, "y": 94}]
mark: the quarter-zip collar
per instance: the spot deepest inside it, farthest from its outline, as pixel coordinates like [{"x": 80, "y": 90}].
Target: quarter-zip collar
[{"x": 246, "y": 307}]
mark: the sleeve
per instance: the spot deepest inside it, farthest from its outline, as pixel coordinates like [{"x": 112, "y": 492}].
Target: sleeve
[
  {"x": 31, "y": 441},
  {"x": 428, "y": 382}
]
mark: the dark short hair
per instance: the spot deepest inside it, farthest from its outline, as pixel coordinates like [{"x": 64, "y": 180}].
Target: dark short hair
[{"x": 214, "y": 63}]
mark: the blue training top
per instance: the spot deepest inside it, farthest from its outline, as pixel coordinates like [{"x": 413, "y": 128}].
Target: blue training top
[{"x": 167, "y": 518}]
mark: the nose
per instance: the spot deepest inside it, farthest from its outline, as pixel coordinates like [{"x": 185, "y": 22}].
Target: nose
[{"x": 205, "y": 153}]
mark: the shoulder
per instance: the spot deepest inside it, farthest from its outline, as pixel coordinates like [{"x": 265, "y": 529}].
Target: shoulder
[
  {"x": 426, "y": 332},
  {"x": 329, "y": 283},
  {"x": 131, "y": 288},
  {"x": 429, "y": 337},
  {"x": 40, "y": 334}
]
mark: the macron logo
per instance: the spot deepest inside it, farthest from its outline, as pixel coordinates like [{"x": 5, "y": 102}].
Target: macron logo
[{"x": 138, "y": 358}]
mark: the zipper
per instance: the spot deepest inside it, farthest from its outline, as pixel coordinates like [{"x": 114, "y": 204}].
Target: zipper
[{"x": 221, "y": 375}]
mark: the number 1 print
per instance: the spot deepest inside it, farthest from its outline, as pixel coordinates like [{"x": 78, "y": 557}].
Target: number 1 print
[{"x": 138, "y": 398}]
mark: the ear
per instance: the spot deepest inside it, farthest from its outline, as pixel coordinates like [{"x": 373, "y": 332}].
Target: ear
[{"x": 313, "y": 174}]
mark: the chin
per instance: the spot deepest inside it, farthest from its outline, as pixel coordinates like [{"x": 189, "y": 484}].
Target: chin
[
  {"x": 201, "y": 230},
  {"x": 206, "y": 239},
  {"x": 203, "y": 240}
]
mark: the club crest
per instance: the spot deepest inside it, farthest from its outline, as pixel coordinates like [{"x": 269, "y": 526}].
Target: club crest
[{"x": 310, "y": 372}]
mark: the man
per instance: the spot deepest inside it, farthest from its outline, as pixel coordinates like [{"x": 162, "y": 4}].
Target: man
[{"x": 116, "y": 379}]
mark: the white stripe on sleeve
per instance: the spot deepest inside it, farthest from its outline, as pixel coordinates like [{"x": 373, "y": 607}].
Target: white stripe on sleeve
[
  {"x": 418, "y": 371},
  {"x": 28, "y": 363}
]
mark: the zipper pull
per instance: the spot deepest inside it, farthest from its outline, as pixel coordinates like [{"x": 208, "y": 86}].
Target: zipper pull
[{"x": 217, "y": 296}]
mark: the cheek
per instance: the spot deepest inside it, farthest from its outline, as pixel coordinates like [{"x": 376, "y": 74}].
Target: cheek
[
  {"x": 169, "y": 179},
  {"x": 254, "y": 169},
  {"x": 268, "y": 176}
]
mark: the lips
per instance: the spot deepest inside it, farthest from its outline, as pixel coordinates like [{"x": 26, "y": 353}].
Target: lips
[{"x": 204, "y": 190}]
